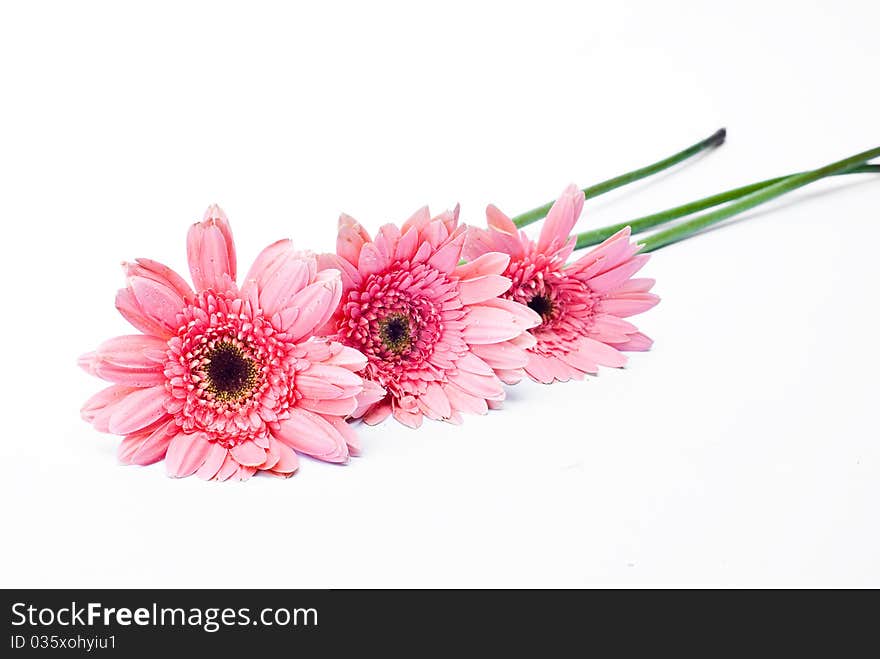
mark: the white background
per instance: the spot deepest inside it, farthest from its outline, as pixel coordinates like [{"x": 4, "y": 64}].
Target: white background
[{"x": 741, "y": 451}]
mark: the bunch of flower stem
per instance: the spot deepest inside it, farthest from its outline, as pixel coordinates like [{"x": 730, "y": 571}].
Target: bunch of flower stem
[
  {"x": 714, "y": 140},
  {"x": 738, "y": 199}
]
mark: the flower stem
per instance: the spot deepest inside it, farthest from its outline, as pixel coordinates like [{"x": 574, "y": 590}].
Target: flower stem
[
  {"x": 687, "y": 229},
  {"x": 716, "y": 139},
  {"x": 596, "y": 236}
]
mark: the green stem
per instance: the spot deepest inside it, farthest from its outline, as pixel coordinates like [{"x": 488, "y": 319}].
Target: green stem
[
  {"x": 596, "y": 236},
  {"x": 716, "y": 139},
  {"x": 686, "y": 229}
]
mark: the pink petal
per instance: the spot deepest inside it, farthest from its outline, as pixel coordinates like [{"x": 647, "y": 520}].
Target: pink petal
[
  {"x": 504, "y": 355},
  {"x": 136, "y": 350},
  {"x": 502, "y": 236},
  {"x": 639, "y": 285},
  {"x": 386, "y": 241},
  {"x": 510, "y": 376},
  {"x": 375, "y": 414},
  {"x": 371, "y": 261},
  {"x": 213, "y": 462},
  {"x": 368, "y": 399},
  {"x": 449, "y": 218},
  {"x": 157, "y": 302},
  {"x": 610, "y": 329},
  {"x": 524, "y": 317},
  {"x": 435, "y": 402},
  {"x": 410, "y": 419},
  {"x": 612, "y": 279},
  {"x": 637, "y": 342},
  {"x": 601, "y": 353},
  {"x": 351, "y": 278},
  {"x": 322, "y": 381},
  {"x": 130, "y": 309},
  {"x": 485, "y": 324},
  {"x": 161, "y": 274},
  {"x": 348, "y": 433},
  {"x": 279, "y": 286},
  {"x": 492, "y": 263},
  {"x": 210, "y": 251},
  {"x": 229, "y": 469},
  {"x": 338, "y": 407},
  {"x": 248, "y": 454},
  {"x": 350, "y": 239},
  {"x": 138, "y": 410},
  {"x": 288, "y": 461},
  {"x": 418, "y": 220},
  {"x": 561, "y": 219},
  {"x": 269, "y": 260},
  {"x": 311, "y": 434},
  {"x": 483, "y": 288},
  {"x": 499, "y": 221},
  {"x": 135, "y": 360},
  {"x": 186, "y": 453},
  {"x": 473, "y": 364},
  {"x": 315, "y": 303},
  {"x": 484, "y": 386},
  {"x": 628, "y": 306},
  {"x": 612, "y": 251},
  {"x": 547, "y": 369},
  {"x": 155, "y": 446},
  {"x": 464, "y": 402},
  {"x": 134, "y": 377},
  {"x": 407, "y": 245},
  {"x": 447, "y": 257},
  {"x": 580, "y": 360},
  {"x": 98, "y": 409},
  {"x": 347, "y": 357}
]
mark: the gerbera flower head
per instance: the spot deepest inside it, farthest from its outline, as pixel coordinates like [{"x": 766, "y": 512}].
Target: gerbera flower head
[
  {"x": 582, "y": 304},
  {"x": 437, "y": 335},
  {"x": 224, "y": 382}
]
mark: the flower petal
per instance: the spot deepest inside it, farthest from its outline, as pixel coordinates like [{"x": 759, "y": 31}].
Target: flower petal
[
  {"x": 483, "y": 288},
  {"x": 138, "y": 410},
  {"x": 434, "y": 402},
  {"x": 375, "y": 414},
  {"x": 311, "y": 434},
  {"x": 213, "y": 461},
  {"x": 637, "y": 342},
  {"x": 492, "y": 263},
  {"x": 248, "y": 454},
  {"x": 348, "y": 433},
  {"x": 159, "y": 303},
  {"x": 211, "y": 252},
  {"x": 485, "y": 324},
  {"x": 98, "y": 409},
  {"x": 288, "y": 461},
  {"x": 613, "y": 278},
  {"x": 279, "y": 285},
  {"x": 128, "y": 307},
  {"x": 410, "y": 419},
  {"x": 155, "y": 445},
  {"x": 350, "y": 239},
  {"x": 315, "y": 303},
  {"x": 186, "y": 453},
  {"x": 561, "y": 219},
  {"x": 322, "y": 381}
]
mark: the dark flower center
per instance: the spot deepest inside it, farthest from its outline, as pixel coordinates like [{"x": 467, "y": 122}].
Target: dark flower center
[
  {"x": 230, "y": 372},
  {"x": 541, "y": 305},
  {"x": 394, "y": 332}
]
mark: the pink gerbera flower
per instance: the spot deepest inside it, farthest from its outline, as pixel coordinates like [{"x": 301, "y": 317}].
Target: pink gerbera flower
[
  {"x": 225, "y": 382},
  {"x": 436, "y": 334},
  {"x": 582, "y": 304}
]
